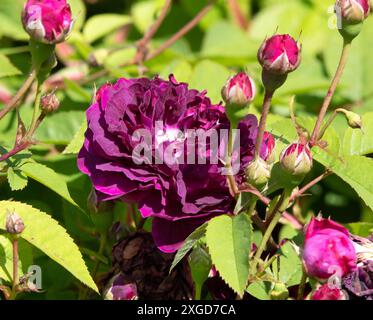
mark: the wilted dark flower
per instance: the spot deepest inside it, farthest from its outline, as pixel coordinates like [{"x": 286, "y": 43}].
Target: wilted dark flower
[
  {"x": 132, "y": 127},
  {"x": 137, "y": 262}
]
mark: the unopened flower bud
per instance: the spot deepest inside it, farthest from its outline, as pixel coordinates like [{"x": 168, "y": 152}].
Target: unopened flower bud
[
  {"x": 325, "y": 292},
  {"x": 119, "y": 290},
  {"x": 49, "y": 103},
  {"x": 352, "y": 11},
  {"x": 268, "y": 148},
  {"x": 279, "y": 292},
  {"x": 296, "y": 159},
  {"x": 328, "y": 249},
  {"x": 47, "y": 21},
  {"x": 353, "y": 119},
  {"x": 258, "y": 172},
  {"x": 14, "y": 224},
  {"x": 239, "y": 90},
  {"x": 350, "y": 15},
  {"x": 280, "y": 54}
]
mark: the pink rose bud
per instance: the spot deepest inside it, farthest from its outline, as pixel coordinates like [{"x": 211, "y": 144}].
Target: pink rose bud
[
  {"x": 49, "y": 103},
  {"x": 352, "y": 11},
  {"x": 325, "y": 292},
  {"x": 268, "y": 148},
  {"x": 47, "y": 21},
  {"x": 239, "y": 90},
  {"x": 328, "y": 249},
  {"x": 118, "y": 289},
  {"x": 297, "y": 159},
  {"x": 280, "y": 54}
]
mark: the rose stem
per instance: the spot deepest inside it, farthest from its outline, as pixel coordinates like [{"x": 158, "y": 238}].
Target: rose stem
[
  {"x": 262, "y": 124},
  {"x": 279, "y": 209},
  {"x": 179, "y": 34},
  {"x": 331, "y": 91},
  {"x": 311, "y": 184},
  {"x": 21, "y": 92},
  {"x": 231, "y": 181},
  {"x": 302, "y": 285},
  {"x": 103, "y": 240},
  {"x": 15, "y": 268}
]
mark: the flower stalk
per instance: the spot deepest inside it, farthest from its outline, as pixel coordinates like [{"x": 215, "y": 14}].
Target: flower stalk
[{"x": 329, "y": 96}]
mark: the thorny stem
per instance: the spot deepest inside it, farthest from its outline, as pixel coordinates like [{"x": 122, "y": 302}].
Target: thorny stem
[
  {"x": 238, "y": 15},
  {"x": 184, "y": 30},
  {"x": 309, "y": 185},
  {"x": 230, "y": 178},
  {"x": 35, "y": 113},
  {"x": 279, "y": 209},
  {"x": 15, "y": 268},
  {"x": 329, "y": 95},
  {"x": 287, "y": 216},
  {"x": 142, "y": 44},
  {"x": 262, "y": 124},
  {"x": 18, "y": 96}
]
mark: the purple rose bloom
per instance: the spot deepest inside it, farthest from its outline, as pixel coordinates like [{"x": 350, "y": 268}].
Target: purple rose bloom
[{"x": 180, "y": 196}]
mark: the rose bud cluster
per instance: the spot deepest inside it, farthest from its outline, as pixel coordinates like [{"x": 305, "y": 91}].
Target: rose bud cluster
[
  {"x": 297, "y": 159},
  {"x": 47, "y": 21},
  {"x": 325, "y": 292},
  {"x": 178, "y": 195},
  {"x": 328, "y": 249},
  {"x": 239, "y": 90}
]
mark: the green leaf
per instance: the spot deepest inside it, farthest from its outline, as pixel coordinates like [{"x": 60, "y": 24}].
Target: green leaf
[
  {"x": 362, "y": 229},
  {"x": 260, "y": 290},
  {"x": 101, "y": 25},
  {"x": 210, "y": 76},
  {"x": 76, "y": 92},
  {"x": 48, "y": 236},
  {"x": 17, "y": 180},
  {"x": 200, "y": 265},
  {"x": 188, "y": 244},
  {"x": 229, "y": 240},
  {"x": 77, "y": 142},
  {"x": 60, "y": 128},
  {"x": 290, "y": 265},
  {"x": 10, "y": 19},
  {"x": 7, "y": 68},
  {"x": 47, "y": 177},
  {"x": 6, "y": 258},
  {"x": 236, "y": 42}
]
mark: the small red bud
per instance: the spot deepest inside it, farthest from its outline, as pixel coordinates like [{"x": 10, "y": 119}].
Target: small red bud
[
  {"x": 49, "y": 103},
  {"x": 239, "y": 90},
  {"x": 280, "y": 54}
]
